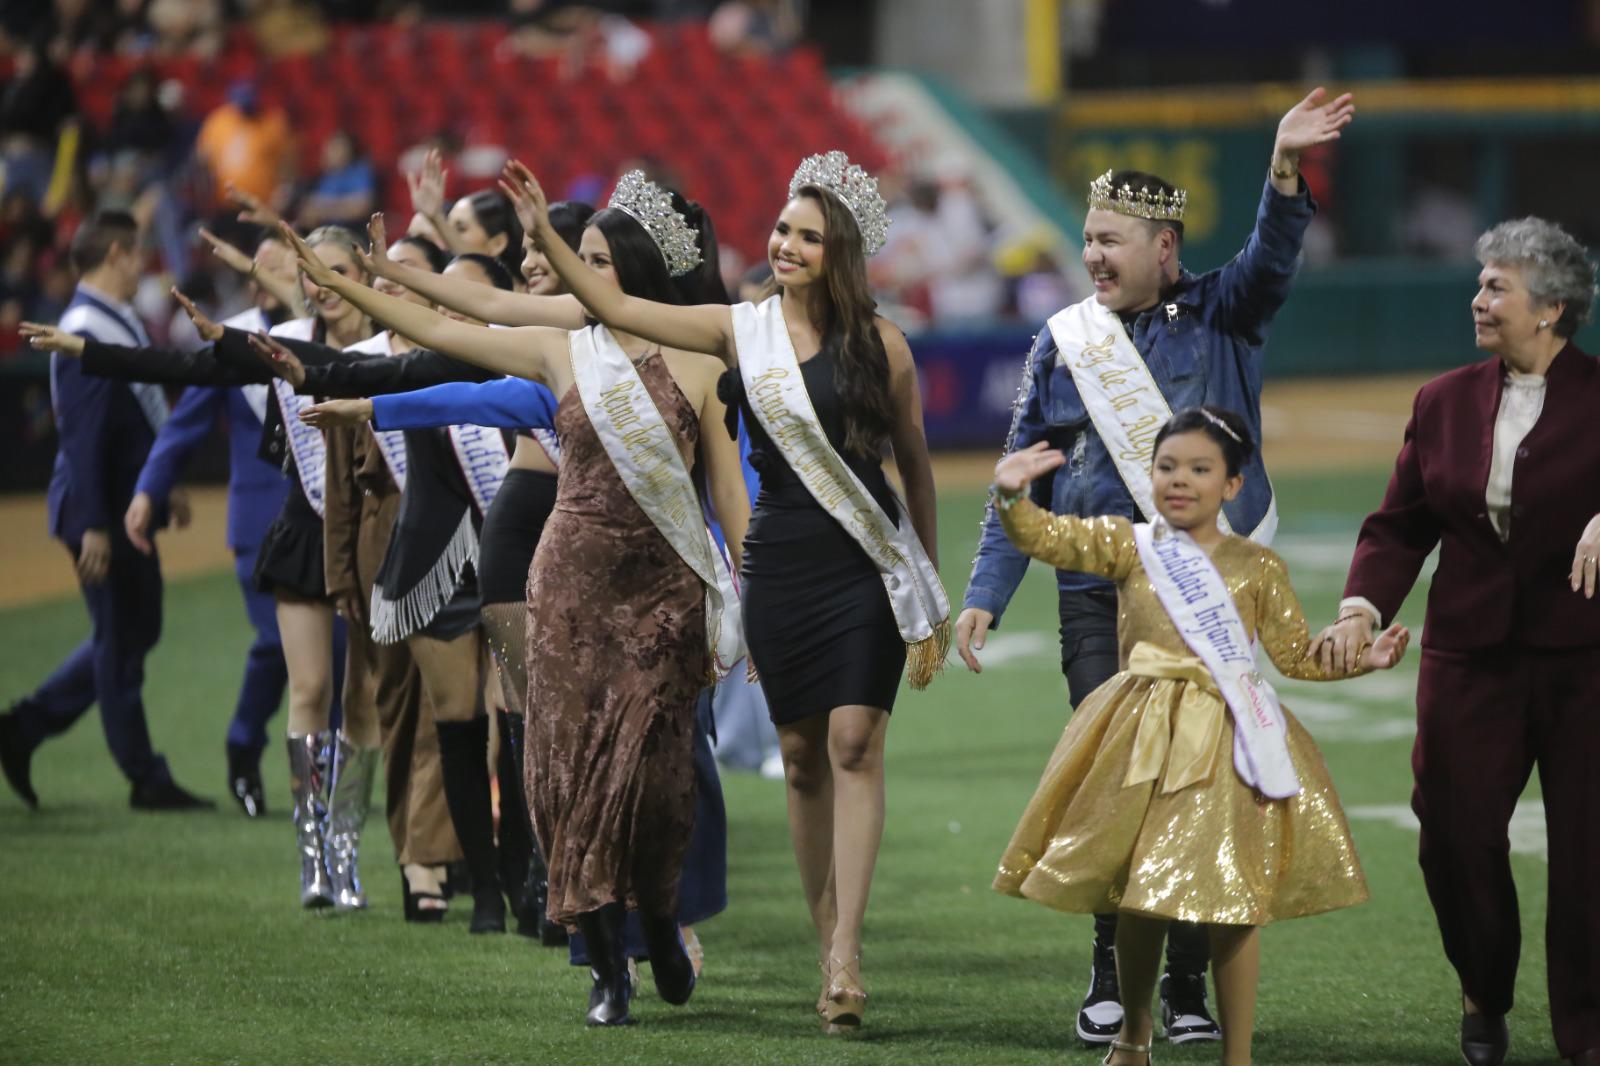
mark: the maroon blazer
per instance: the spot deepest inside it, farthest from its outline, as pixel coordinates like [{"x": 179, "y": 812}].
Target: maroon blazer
[{"x": 1484, "y": 592}]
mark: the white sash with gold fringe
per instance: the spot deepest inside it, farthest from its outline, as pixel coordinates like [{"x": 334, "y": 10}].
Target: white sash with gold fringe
[
  {"x": 646, "y": 456},
  {"x": 1124, "y": 401},
  {"x": 777, "y": 394}
]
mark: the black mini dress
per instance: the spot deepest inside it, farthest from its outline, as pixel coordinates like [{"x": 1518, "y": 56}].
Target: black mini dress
[{"x": 816, "y": 614}]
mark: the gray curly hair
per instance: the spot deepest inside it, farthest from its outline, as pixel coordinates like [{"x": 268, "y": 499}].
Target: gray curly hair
[{"x": 1555, "y": 267}]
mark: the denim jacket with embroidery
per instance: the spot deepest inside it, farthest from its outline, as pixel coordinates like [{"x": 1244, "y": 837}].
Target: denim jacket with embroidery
[{"x": 1203, "y": 345}]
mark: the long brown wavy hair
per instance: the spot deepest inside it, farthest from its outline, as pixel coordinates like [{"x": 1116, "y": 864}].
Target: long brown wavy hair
[{"x": 861, "y": 366}]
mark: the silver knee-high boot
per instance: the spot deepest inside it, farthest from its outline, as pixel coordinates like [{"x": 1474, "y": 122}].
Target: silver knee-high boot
[
  {"x": 306, "y": 783},
  {"x": 353, "y": 770}
]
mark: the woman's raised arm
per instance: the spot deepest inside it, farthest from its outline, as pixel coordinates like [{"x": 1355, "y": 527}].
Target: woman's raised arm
[{"x": 702, "y": 328}]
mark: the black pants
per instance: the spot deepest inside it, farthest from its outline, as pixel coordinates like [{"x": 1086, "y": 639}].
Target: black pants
[{"x": 1089, "y": 659}]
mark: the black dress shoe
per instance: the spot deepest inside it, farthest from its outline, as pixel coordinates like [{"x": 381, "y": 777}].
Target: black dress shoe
[
  {"x": 1484, "y": 1039},
  {"x": 16, "y": 760},
  {"x": 167, "y": 795},
  {"x": 244, "y": 780}
]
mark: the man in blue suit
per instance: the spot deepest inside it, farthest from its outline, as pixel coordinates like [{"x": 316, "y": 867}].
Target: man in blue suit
[
  {"x": 256, "y": 491},
  {"x": 106, "y": 429}
]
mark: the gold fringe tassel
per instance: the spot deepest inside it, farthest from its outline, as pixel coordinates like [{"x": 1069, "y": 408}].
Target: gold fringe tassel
[{"x": 926, "y": 657}]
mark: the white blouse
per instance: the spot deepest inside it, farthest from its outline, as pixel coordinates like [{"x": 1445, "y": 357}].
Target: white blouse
[{"x": 1521, "y": 402}]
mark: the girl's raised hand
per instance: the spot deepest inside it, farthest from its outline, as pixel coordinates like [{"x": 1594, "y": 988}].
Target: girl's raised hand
[
  {"x": 427, "y": 185},
  {"x": 251, "y": 209},
  {"x": 376, "y": 259},
  {"x": 231, "y": 257},
  {"x": 532, "y": 207},
  {"x": 314, "y": 268},
  {"x": 208, "y": 330},
  {"x": 331, "y": 413},
  {"x": 279, "y": 359},
  {"x": 43, "y": 338},
  {"x": 1388, "y": 649},
  {"x": 1014, "y": 473}
]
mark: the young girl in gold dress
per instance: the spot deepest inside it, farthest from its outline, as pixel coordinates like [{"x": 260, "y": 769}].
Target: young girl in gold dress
[{"x": 1158, "y": 804}]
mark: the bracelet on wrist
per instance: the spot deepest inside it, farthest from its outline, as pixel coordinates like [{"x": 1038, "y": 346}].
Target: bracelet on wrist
[
  {"x": 1284, "y": 169},
  {"x": 1002, "y": 501}
]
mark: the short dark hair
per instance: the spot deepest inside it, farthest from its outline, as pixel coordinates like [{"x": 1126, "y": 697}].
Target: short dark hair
[
  {"x": 98, "y": 234},
  {"x": 496, "y": 215},
  {"x": 1223, "y": 426},
  {"x": 1139, "y": 179}
]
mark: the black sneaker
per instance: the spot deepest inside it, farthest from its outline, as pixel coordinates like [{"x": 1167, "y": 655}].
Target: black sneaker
[
  {"x": 1184, "y": 1015},
  {"x": 16, "y": 759},
  {"x": 1100, "y": 1017}
]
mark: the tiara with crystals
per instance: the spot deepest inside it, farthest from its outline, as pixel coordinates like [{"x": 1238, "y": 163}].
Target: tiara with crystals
[
  {"x": 853, "y": 187},
  {"x": 651, "y": 206},
  {"x": 1141, "y": 202},
  {"x": 1220, "y": 424}
]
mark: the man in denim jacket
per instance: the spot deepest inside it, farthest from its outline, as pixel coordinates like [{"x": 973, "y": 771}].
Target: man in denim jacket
[{"x": 1201, "y": 338}]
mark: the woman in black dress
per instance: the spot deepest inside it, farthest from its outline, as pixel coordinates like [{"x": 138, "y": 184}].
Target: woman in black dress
[{"x": 817, "y": 614}]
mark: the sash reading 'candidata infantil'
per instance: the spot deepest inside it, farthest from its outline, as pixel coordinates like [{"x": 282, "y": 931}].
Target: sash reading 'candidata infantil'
[
  {"x": 777, "y": 393},
  {"x": 646, "y": 456},
  {"x": 1196, "y": 597},
  {"x": 482, "y": 455},
  {"x": 305, "y": 442},
  {"x": 1124, "y": 401},
  {"x": 391, "y": 442}
]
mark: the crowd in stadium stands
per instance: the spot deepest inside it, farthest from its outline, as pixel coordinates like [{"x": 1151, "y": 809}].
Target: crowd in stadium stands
[{"x": 169, "y": 147}]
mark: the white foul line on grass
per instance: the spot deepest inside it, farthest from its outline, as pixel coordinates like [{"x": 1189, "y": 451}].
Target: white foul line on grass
[{"x": 1527, "y": 829}]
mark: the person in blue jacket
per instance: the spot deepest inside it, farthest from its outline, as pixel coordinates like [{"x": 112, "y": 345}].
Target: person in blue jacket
[
  {"x": 1153, "y": 337},
  {"x": 256, "y": 492},
  {"x": 106, "y": 429}
]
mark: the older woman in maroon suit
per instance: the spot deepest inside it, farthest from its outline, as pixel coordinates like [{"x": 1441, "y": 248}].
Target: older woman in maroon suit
[{"x": 1501, "y": 469}]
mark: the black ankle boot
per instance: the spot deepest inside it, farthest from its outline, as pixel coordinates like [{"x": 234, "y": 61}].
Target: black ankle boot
[
  {"x": 463, "y": 760},
  {"x": 669, "y": 961},
  {"x": 602, "y": 929}
]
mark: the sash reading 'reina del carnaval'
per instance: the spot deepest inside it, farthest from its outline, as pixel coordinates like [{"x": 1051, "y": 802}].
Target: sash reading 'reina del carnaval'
[
  {"x": 1124, "y": 401},
  {"x": 305, "y": 442},
  {"x": 1197, "y": 599},
  {"x": 646, "y": 456},
  {"x": 391, "y": 442},
  {"x": 777, "y": 394}
]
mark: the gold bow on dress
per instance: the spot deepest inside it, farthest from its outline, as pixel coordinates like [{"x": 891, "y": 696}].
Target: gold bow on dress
[{"x": 1181, "y": 739}]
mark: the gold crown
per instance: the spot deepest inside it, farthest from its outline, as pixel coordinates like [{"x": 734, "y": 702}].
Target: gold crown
[{"x": 1140, "y": 203}]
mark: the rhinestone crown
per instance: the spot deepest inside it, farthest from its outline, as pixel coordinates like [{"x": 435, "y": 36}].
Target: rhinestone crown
[
  {"x": 854, "y": 187},
  {"x": 1140, "y": 203},
  {"x": 651, "y": 206}
]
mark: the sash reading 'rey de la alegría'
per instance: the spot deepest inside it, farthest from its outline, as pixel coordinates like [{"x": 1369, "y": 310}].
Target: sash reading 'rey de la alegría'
[
  {"x": 1196, "y": 597},
  {"x": 646, "y": 456},
  {"x": 1124, "y": 401},
  {"x": 777, "y": 394}
]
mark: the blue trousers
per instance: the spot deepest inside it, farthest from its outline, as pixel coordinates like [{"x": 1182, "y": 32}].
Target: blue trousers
[
  {"x": 265, "y": 674},
  {"x": 703, "y": 887},
  {"x": 108, "y": 668}
]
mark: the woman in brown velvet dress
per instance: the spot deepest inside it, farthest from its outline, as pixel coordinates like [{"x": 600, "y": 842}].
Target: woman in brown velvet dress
[{"x": 617, "y": 626}]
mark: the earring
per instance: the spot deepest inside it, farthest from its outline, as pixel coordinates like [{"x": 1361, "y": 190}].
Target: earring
[{"x": 1544, "y": 323}]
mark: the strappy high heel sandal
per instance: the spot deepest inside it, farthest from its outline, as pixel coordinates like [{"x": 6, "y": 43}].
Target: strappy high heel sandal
[
  {"x": 827, "y": 980},
  {"x": 1137, "y": 1049},
  {"x": 846, "y": 1003}
]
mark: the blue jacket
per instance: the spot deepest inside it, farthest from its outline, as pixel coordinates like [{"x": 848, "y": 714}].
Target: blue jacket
[
  {"x": 104, "y": 431},
  {"x": 256, "y": 488},
  {"x": 1203, "y": 345}
]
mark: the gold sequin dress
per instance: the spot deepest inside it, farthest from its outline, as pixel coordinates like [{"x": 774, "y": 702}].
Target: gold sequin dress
[{"x": 1191, "y": 841}]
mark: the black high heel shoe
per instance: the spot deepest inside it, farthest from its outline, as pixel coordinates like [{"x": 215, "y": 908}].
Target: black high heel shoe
[{"x": 413, "y": 902}]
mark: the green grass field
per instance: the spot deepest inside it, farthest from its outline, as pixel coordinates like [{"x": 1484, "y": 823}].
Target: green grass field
[{"x": 151, "y": 939}]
